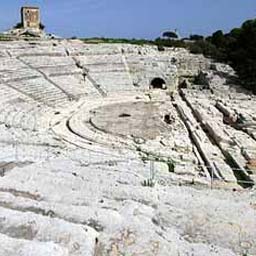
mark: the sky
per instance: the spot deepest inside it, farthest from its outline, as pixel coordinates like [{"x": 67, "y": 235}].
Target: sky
[{"x": 132, "y": 18}]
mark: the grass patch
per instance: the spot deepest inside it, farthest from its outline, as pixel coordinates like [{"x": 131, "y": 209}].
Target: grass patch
[
  {"x": 98, "y": 40},
  {"x": 5, "y": 38}
]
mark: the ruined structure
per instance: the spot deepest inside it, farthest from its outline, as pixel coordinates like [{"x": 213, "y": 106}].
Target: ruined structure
[
  {"x": 103, "y": 153},
  {"x": 30, "y": 26},
  {"x": 30, "y": 17}
]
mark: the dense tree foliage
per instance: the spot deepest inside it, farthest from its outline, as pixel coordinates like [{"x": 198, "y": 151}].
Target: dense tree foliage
[
  {"x": 20, "y": 25},
  {"x": 41, "y": 26},
  {"x": 170, "y": 43},
  {"x": 196, "y": 37},
  {"x": 242, "y": 52},
  {"x": 170, "y": 34},
  {"x": 238, "y": 47}
]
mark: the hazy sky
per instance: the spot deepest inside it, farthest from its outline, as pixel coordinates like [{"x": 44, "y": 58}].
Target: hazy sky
[{"x": 132, "y": 18}]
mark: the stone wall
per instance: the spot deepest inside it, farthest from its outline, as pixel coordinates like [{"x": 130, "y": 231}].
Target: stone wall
[{"x": 30, "y": 17}]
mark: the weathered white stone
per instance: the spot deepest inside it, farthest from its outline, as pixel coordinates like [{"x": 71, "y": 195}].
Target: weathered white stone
[{"x": 95, "y": 162}]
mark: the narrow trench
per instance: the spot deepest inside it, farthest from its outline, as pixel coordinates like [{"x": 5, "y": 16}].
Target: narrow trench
[
  {"x": 242, "y": 179},
  {"x": 246, "y": 182},
  {"x": 192, "y": 140}
]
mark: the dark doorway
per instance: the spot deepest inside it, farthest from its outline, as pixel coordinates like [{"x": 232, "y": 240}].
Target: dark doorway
[{"x": 158, "y": 83}]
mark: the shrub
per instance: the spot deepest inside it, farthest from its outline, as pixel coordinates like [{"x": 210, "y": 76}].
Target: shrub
[
  {"x": 41, "y": 26},
  {"x": 170, "y": 43},
  {"x": 170, "y": 34},
  {"x": 237, "y": 47},
  {"x": 18, "y": 25},
  {"x": 196, "y": 37}
]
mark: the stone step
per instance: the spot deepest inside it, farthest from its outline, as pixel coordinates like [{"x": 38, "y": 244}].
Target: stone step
[{"x": 73, "y": 238}]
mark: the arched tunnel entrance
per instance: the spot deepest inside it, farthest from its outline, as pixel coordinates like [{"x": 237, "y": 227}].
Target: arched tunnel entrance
[{"x": 158, "y": 83}]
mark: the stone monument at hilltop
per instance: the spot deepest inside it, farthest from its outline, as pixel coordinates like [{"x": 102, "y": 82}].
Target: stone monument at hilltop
[
  {"x": 30, "y": 25},
  {"x": 30, "y": 17}
]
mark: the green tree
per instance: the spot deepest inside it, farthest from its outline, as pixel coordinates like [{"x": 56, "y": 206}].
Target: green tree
[
  {"x": 170, "y": 34},
  {"x": 196, "y": 37},
  {"x": 218, "y": 39},
  {"x": 243, "y": 54},
  {"x": 41, "y": 26},
  {"x": 18, "y": 25}
]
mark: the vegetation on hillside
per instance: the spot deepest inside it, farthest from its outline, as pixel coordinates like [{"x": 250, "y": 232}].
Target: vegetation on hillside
[
  {"x": 237, "y": 48},
  {"x": 170, "y": 34},
  {"x": 4, "y": 37},
  {"x": 20, "y": 25},
  {"x": 96, "y": 40}
]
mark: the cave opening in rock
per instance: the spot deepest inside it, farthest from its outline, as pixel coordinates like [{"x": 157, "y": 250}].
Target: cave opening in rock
[{"x": 158, "y": 83}]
